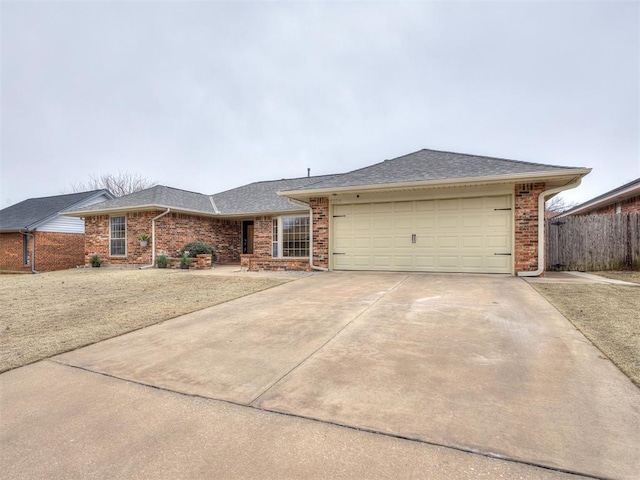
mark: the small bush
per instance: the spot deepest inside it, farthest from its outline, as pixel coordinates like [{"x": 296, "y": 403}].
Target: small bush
[{"x": 198, "y": 248}]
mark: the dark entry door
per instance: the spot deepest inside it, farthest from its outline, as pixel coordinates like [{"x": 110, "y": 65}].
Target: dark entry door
[{"x": 247, "y": 236}]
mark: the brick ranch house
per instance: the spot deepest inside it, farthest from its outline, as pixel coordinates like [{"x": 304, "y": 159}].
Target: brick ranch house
[
  {"x": 621, "y": 200},
  {"x": 36, "y": 236},
  {"x": 428, "y": 211}
]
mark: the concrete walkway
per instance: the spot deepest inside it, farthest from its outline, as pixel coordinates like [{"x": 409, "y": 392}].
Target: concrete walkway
[{"x": 337, "y": 375}]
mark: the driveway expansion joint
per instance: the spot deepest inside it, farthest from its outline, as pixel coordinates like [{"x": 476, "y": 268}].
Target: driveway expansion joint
[
  {"x": 329, "y": 340},
  {"x": 457, "y": 448}
]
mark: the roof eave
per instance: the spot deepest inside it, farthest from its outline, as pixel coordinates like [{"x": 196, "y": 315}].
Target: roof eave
[
  {"x": 138, "y": 208},
  {"x": 568, "y": 174},
  {"x": 604, "y": 200}
]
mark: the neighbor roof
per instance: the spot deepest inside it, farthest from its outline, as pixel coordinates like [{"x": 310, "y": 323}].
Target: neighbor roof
[
  {"x": 432, "y": 165},
  {"x": 623, "y": 192},
  {"x": 261, "y": 197},
  {"x": 31, "y": 213}
]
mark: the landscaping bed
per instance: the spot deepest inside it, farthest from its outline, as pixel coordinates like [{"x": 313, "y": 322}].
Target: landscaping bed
[{"x": 51, "y": 313}]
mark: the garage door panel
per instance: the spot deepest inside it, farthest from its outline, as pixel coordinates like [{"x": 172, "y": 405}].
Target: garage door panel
[
  {"x": 383, "y": 261},
  {"x": 475, "y": 221},
  {"x": 451, "y": 235},
  {"x": 448, "y": 222},
  {"x": 424, "y": 262},
  {"x": 448, "y": 242},
  {"x": 499, "y": 242},
  {"x": 403, "y": 207},
  {"x": 385, "y": 243},
  {"x": 497, "y": 202},
  {"x": 499, "y": 221},
  {"x": 424, "y": 206},
  {"x": 378, "y": 208},
  {"x": 473, "y": 242},
  {"x": 451, "y": 204}
]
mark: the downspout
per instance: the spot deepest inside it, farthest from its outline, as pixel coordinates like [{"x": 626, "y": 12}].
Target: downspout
[
  {"x": 302, "y": 204},
  {"x": 33, "y": 249},
  {"x": 541, "y": 222},
  {"x": 153, "y": 239}
]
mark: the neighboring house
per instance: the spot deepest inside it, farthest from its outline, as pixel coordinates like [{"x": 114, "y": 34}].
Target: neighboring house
[
  {"x": 624, "y": 199},
  {"x": 35, "y": 236},
  {"x": 427, "y": 211}
]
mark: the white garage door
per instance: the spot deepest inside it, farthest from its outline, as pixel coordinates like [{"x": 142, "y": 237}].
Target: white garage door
[{"x": 450, "y": 235}]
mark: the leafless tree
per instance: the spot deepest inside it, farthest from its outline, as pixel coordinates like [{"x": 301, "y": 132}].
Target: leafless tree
[
  {"x": 121, "y": 183},
  {"x": 557, "y": 205}
]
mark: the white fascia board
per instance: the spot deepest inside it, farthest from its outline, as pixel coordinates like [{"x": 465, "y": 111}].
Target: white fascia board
[
  {"x": 137, "y": 208},
  {"x": 519, "y": 178},
  {"x": 600, "y": 201}
]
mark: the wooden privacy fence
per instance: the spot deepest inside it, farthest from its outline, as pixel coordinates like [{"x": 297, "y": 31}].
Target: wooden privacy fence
[{"x": 593, "y": 242}]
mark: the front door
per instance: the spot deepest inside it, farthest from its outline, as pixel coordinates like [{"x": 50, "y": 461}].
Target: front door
[{"x": 247, "y": 236}]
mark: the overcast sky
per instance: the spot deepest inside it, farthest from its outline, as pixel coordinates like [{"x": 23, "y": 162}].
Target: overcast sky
[{"x": 208, "y": 96}]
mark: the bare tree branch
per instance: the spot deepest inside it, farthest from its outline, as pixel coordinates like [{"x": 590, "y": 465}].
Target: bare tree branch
[
  {"x": 120, "y": 183},
  {"x": 557, "y": 205}
]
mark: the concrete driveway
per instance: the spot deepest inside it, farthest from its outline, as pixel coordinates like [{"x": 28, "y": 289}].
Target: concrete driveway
[{"x": 455, "y": 371}]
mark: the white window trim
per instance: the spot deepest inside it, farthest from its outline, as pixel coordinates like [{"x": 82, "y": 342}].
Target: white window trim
[
  {"x": 125, "y": 236},
  {"x": 279, "y": 240}
]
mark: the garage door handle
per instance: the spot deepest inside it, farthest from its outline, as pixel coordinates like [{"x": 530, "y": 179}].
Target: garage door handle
[
  {"x": 502, "y": 254},
  {"x": 413, "y": 238},
  {"x": 339, "y": 253}
]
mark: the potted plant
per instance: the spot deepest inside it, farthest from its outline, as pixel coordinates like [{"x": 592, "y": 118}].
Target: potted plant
[
  {"x": 185, "y": 261},
  {"x": 144, "y": 239},
  {"x": 95, "y": 260},
  {"x": 162, "y": 261}
]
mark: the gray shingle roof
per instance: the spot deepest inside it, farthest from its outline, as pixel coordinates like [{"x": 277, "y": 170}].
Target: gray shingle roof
[
  {"x": 158, "y": 196},
  {"x": 623, "y": 192},
  {"x": 261, "y": 197},
  {"x": 425, "y": 165},
  {"x": 28, "y": 214}
]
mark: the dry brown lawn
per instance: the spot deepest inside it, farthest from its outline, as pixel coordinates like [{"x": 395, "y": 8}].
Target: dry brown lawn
[
  {"x": 51, "y": 313},
  {"x": 608, "y": 315}
]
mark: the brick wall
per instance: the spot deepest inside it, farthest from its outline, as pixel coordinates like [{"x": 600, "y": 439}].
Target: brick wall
[
  {"x": 320, "y": 208},
  {"x": 261, "y": 258},
  {"x": 262, "y": 236},
  {"x": 526, "y": 226},
  {"x": 630, "y": 205},
  {"x": 11, "y": 252},
  {"x": 54, "y": 251},
  {"x": 173, "y": 231}
]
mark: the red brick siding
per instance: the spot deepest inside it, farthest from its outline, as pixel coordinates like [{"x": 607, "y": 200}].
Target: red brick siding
[
  {"x": 630, "y": 205},
  {"x": 54, "y": 251},
  {"x": 253, "y": 262},
  {"x": 173, "y": 231},
  {"x": 11, "y": 258},
  {"x": 261, "y": 258},
  {"x": 526, "y": 226},
  {"x": 262, "y": 236},
  {"x": 320, "y": 208}
]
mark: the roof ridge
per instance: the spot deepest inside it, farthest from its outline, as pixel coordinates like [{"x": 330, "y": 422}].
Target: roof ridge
[{"x": 313, "y": 177}]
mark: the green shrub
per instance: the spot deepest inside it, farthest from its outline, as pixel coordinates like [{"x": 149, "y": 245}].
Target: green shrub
[{"x": 198, "y": 248}]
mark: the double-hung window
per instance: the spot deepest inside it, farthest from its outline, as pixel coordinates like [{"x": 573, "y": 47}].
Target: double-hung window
[
  {"x": 290, "y": 237},
  {"x": 118, "y": 236}
]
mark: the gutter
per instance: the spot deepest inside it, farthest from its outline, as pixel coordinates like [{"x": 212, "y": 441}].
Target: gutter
[
  {"x": 445, "y": 182},
  {"x": 541, "y": 221},
  {"x": 33, "y": 249},
  {"x": 153, "y": 239},
  {"x": 302, "y": 204}
]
